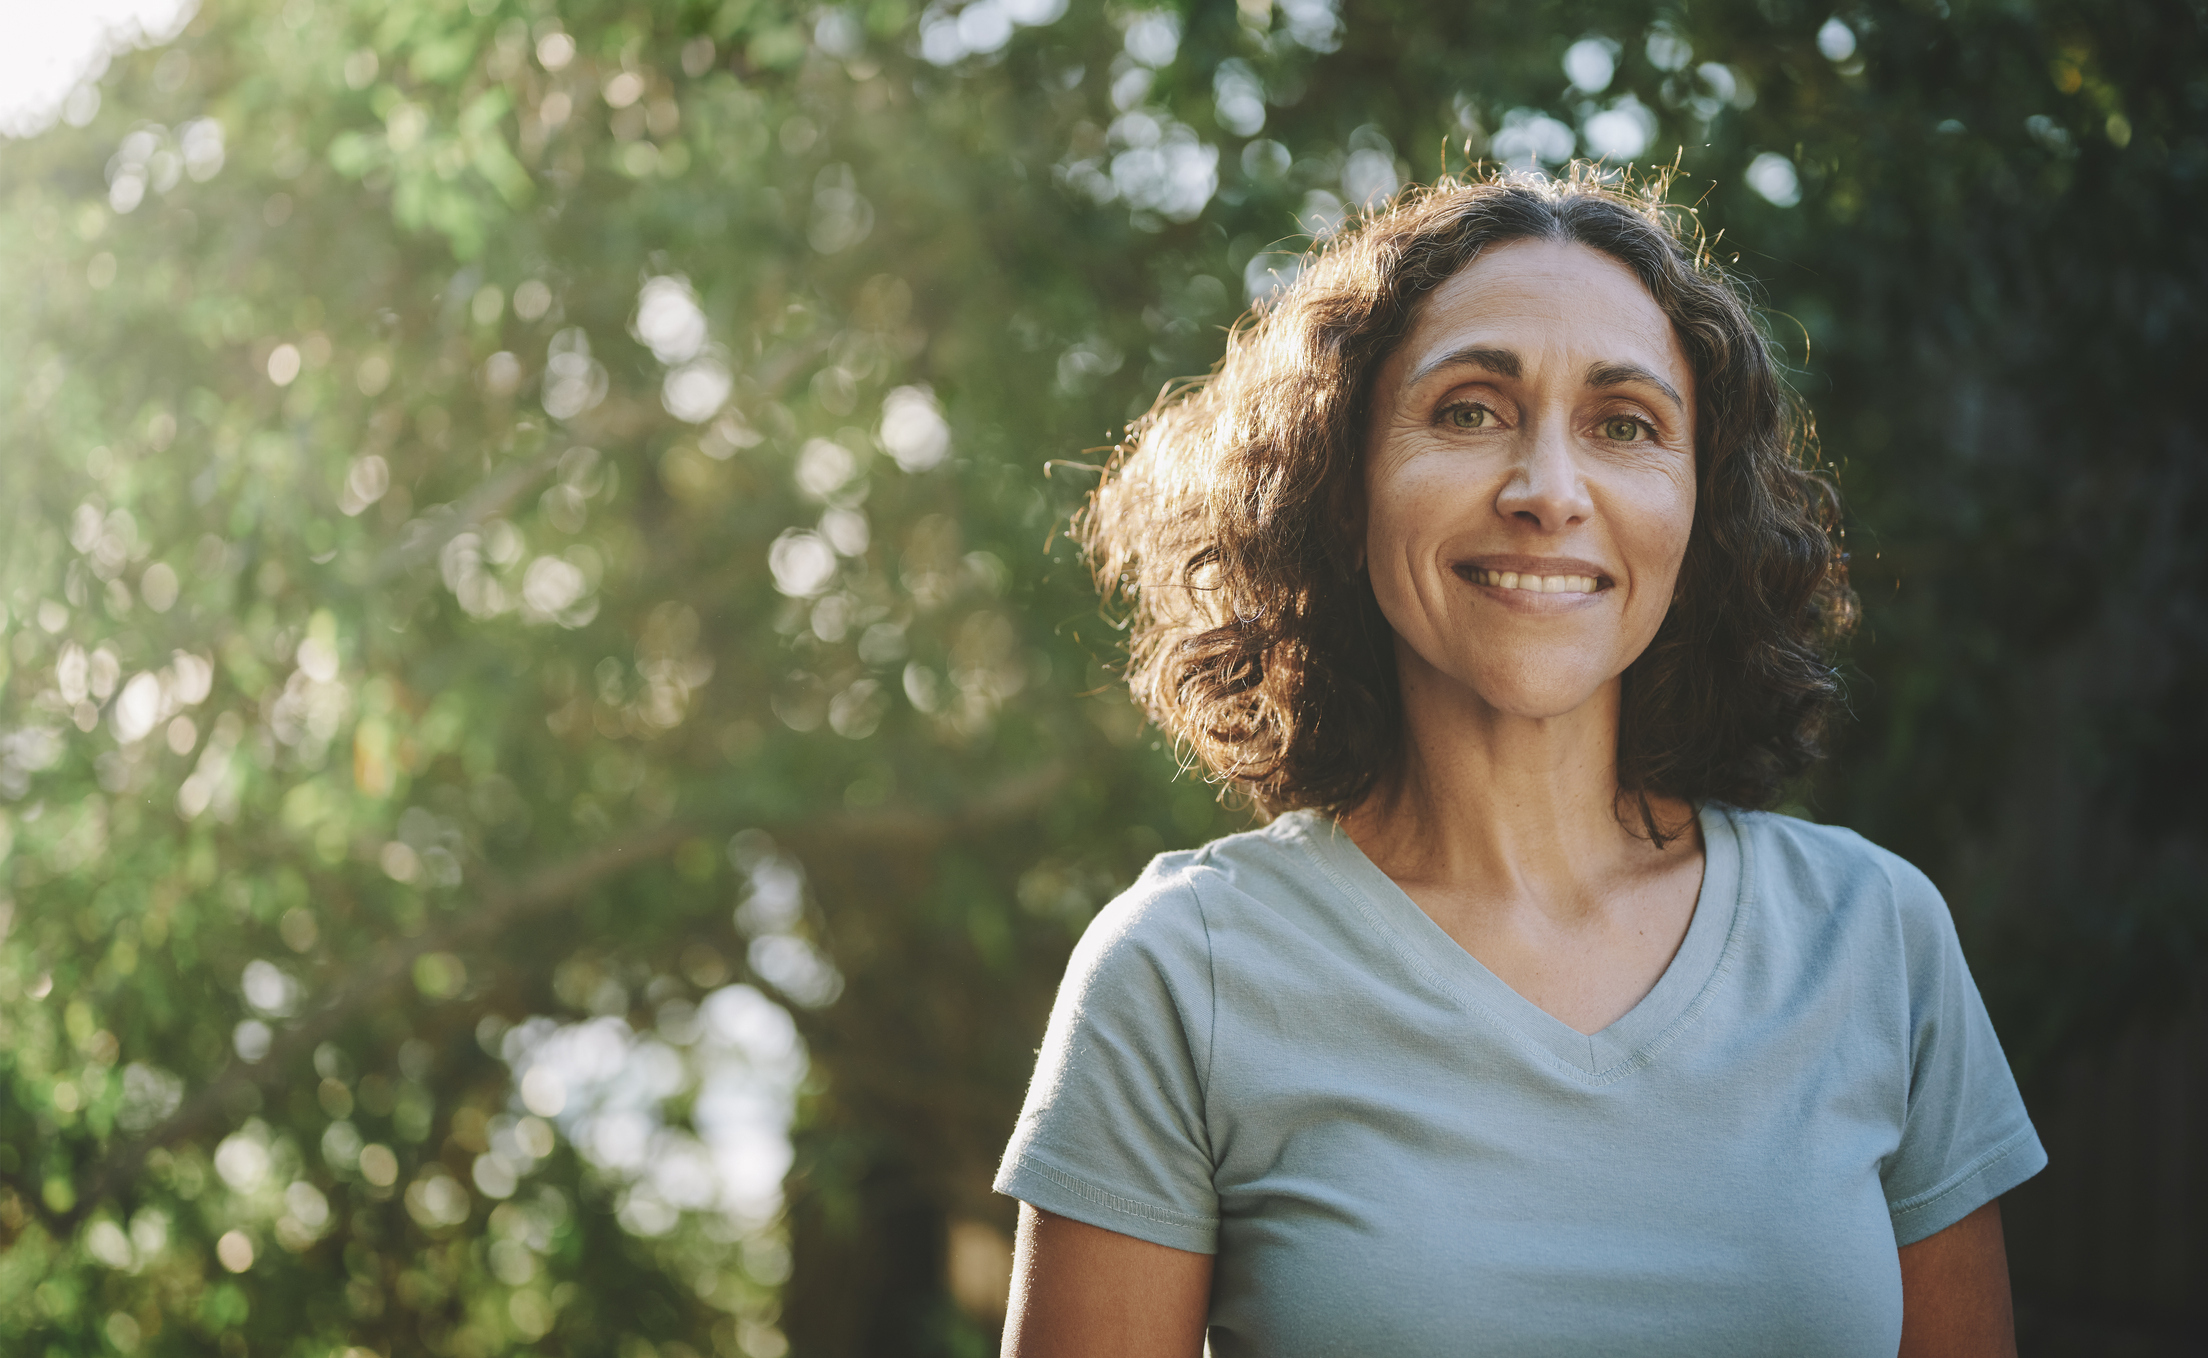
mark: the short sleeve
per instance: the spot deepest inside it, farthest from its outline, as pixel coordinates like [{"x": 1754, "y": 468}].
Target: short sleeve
[
  {"x": 1966, "y": 1138},
  {"x": 1113, "y": 1130}
]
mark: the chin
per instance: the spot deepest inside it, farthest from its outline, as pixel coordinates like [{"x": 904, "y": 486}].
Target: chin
[
  {"x": 1538, "y": 706},
  {"x": 1534, "y": 693}
]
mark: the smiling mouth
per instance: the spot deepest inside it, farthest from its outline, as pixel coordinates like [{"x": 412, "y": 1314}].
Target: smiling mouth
[{"x": 1533, "y": 584}]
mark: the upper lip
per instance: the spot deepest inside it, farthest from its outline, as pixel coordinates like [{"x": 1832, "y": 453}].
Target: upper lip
[{"x": 1534, "y": 565}]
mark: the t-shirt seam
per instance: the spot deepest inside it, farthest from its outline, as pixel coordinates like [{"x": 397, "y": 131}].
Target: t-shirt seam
[
  {"x": 1728, "y": 952},
  {"x": 1211, "y": 1026},
  {"x": 1388, "y": 936},
  {"x": 1104, "y": 1197},
  {"x": 1947, "y": 959},
  {"x": 1986, "y": 1160},
  {"x": 1909, "y": 991}
]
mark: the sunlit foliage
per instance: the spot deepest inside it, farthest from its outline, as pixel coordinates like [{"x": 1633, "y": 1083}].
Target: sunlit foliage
[{"x": 533, "y": 649}]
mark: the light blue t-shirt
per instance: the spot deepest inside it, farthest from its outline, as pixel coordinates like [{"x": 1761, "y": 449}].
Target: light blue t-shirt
[{"x": 1265, "y": 1050}]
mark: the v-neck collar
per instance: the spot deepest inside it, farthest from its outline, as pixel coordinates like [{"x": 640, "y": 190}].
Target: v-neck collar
[{"x": 1628, "y": 1043}]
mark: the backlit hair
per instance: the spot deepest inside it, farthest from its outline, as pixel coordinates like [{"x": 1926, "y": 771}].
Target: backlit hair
[{"x": 1223, "y": 528}]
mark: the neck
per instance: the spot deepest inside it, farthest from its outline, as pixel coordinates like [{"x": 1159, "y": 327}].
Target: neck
[{"x": 1500, "y": 804}]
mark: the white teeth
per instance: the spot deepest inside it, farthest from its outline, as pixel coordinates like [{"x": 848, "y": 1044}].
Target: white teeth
[{"x": 1539, "y": 584}]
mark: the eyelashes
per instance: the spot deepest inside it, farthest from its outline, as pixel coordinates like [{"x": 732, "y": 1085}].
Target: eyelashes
[
  {"x": 1466, "y": 415},
  {"x": 1617, "y": 428}
]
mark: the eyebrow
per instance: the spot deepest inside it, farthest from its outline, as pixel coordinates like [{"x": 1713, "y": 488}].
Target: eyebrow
[
  {"x": 1622, "y": 374},
  {"x": 1501, "y": 362},
  {"x": 1506, "y": 363}
]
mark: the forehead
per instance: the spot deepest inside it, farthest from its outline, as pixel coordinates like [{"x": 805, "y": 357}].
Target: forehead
[{"x": 1545, "y": 299}]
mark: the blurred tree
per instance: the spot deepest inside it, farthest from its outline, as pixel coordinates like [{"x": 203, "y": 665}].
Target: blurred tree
[{"x": 535, "y": 649}]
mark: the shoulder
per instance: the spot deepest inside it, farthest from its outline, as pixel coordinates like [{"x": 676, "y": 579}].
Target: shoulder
[
  {"x": 1832, "y": 870},
  {"x": 1167, "y": 915},
  {"x": 1831, "y": 856}
]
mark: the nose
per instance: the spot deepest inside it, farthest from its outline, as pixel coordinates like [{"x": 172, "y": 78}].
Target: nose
[{"x": 1545, "y": 490}]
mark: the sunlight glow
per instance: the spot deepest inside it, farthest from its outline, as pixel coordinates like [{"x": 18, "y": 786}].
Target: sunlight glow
[{"x": 55, "y": 53}]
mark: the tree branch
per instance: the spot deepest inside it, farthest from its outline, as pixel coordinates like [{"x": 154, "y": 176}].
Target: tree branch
[
  {"x": 503, "y": 907},
  {"x": 1012, "y": 800},
  {"x": 491, "y": 497}
]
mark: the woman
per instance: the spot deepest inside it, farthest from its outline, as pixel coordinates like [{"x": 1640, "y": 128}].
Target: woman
[{"x": 1486, "y": 564}]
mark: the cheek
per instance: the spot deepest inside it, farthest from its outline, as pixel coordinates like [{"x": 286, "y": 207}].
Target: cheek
[
  {"x": 1403, "y": 521},
  {"x": 1656, "y": 528},
  {"x": 1414, "y": 494},
  {"x": 1654, "y": 504},
  {"x": 1385, "y": 525},
  {"x": 1673, "y": 532},
  {"x": 1386, "y": 548},
  {"x": 1679, "y": 524}
]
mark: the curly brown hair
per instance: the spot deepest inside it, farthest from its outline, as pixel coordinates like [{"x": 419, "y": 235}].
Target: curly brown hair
[{"x": 1225, "y": 524}]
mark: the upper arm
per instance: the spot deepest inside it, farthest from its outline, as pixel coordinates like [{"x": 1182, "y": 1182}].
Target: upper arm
[
  {"x": 1115, "y": 1126},
  {"x": 1955, "y": 1292},
  {"x": 1965, "y": 1136},
  {"x": 1079, "y": 1290}
]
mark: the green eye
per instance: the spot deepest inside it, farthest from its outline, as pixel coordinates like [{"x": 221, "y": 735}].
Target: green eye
[
  {"x": 1621, "y": 428},
  {"x": 1468, "y": 417}
]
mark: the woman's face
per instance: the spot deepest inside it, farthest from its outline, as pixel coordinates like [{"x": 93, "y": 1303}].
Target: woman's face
[{"x": 1529, "y": 478}]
